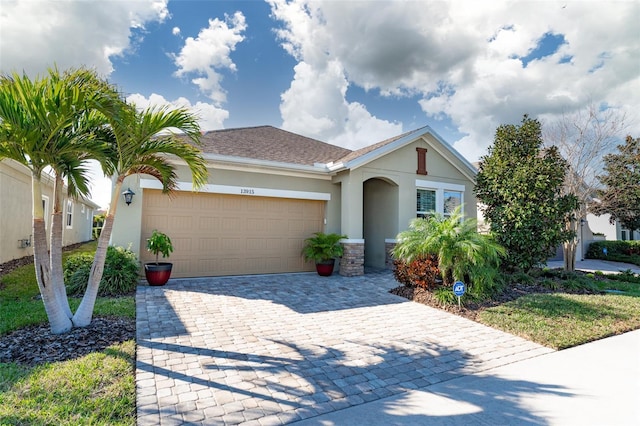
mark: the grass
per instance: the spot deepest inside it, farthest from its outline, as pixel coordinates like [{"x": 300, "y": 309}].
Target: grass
[
  {"x": 97, "y": 389},
  {"x": 560, "y": 320}
]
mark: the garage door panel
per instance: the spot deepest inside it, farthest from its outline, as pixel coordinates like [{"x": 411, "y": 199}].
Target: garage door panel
[
  {"x": 208, "y": 223},
  {"x": 219, "y": 234},
  {"x": 182, "y": 245},
  {"x": 157, "y": 222},
  {"x": 182, "y": 223},
  {"x": 232, "y": 204},
  {"x": 296, "y": 226},
  {"x": 208, "y": 244},
  {"x": 277, "y": 226},
  {"x": 257, "y": 225}
]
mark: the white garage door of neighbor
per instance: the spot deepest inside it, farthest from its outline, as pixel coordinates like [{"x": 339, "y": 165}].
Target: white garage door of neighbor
[{"x": 217, "y": 234}]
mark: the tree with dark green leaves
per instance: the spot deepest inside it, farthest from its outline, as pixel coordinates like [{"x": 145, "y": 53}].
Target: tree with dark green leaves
[
  {"x": 621, "y": 194},
  {"x": 520, "y": 186}
]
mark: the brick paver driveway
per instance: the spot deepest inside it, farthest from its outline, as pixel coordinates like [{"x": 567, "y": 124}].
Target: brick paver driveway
[{"x": 268, "y": 350}]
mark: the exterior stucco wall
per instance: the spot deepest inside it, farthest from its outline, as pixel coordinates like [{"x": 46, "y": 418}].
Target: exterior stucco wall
[
  {"x": 380, "y": 219},
  {"x": 16, "y": 212},
  {"x": 399, "y": 167},
  {"x": 82, "y": 224}
]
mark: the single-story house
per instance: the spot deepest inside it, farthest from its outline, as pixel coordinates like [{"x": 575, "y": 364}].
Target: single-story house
[
  {"x": 269, "y": 189},
  {"x": 16, "y": 212}
]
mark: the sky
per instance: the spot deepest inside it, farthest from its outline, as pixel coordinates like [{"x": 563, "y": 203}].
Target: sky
[{"x": 350, "y": 73}]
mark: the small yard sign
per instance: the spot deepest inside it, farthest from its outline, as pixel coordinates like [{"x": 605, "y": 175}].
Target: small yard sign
[{"x": 458, "y": 289}]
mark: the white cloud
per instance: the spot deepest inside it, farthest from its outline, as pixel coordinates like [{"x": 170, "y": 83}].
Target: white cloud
[
  {"x": 37, "y": 34},
  {"x": 315, "y": 104},
  {"x": 460, "y": 58},
  {"x": 210, "y": 52},
  {"x": 210, "y": 117},
  {"x": 175, "y": 31}
]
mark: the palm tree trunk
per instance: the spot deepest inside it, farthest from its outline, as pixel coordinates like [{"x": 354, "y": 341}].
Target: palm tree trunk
[
  {"x": 55, "y": 248},
  {"x": 58, "y": 320},
  {"x": 83, "y": 315}
]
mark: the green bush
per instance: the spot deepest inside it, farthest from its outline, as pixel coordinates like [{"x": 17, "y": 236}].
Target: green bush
[
  {"x": 120, "y": 272},
  {"x": 617, "y": 251}
]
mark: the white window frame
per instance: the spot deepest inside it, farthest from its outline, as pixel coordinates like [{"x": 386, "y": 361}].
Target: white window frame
[
  {"x": 440, "y": 188},
  {"x": 69, "y": 214},
  {"x": 45, "y": 211}
]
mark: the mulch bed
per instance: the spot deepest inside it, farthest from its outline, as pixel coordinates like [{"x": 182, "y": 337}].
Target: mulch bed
[
  {"x": 471, "y": 310},
  {"x": 37, "y": 345}
]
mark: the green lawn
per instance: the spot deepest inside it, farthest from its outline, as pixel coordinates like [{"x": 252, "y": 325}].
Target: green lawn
[
  {"x": 564, "y": 320},
  {"x": 97, "y": 389}
]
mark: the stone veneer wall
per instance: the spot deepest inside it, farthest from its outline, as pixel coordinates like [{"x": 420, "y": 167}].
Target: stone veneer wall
[
  {"x": 352, "y": 262},
  {"x": 388, "y": 249}
]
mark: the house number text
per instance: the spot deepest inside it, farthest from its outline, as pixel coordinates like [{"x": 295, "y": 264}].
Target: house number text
[{"x": 247, "y": 191}]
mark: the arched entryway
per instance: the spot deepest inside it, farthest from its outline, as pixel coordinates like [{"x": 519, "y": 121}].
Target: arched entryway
[{"x": 380, "y": 218}]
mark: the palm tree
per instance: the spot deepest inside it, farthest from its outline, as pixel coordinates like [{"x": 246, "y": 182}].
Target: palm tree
[
  {"x": 39, "y": 128},
  {"x": 142, "y": 142},
  {"x": 456, "y": 243}
]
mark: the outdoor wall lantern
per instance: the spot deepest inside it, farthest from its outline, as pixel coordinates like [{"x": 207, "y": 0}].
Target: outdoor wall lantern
[{"x": 128, "y": 196}]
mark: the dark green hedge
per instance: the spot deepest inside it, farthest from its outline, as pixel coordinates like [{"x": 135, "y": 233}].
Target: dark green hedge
[{"x": 617, "y": 251}]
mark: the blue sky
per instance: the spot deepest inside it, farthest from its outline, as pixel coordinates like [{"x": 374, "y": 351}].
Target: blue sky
[{"x": 350, "y": 73}]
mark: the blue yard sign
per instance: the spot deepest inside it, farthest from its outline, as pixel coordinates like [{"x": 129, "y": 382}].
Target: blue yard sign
[{"x": 458, "y": 289}]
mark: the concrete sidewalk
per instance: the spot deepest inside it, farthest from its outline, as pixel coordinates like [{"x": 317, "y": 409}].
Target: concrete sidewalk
[
  {"x": 593, "y": 384},
  {"x": 593, "y": 265}
]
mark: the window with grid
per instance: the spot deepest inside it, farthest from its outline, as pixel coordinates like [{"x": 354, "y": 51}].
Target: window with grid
[
  {"x": 426, "y": 202},
  {"x": 69, "y": 214}
]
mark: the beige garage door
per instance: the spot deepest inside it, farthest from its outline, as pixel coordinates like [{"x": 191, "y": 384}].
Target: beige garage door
[{"x": 215, "y": 234}]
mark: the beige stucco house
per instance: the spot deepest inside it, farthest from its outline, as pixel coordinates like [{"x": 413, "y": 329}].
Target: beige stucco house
[
  {"x": 16, "y": 218},
  {"x": 269, "y": 189}
]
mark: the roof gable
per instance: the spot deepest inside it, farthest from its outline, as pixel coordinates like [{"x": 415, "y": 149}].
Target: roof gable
[{"x": 367, "y": 154}]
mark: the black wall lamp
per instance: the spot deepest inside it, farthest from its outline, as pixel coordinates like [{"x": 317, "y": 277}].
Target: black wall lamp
[{"x": 128, "y": 196}]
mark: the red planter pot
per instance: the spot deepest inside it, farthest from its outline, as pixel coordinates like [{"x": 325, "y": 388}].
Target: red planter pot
[
  {"x": 325, "y": 268},
  {"x": 157, "y": 273}
]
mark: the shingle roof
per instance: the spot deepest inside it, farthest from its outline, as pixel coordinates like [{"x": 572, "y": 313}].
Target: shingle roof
[{"x": 271, "y": 144}]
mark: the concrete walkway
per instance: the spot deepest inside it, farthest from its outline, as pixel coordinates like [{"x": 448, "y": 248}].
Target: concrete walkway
[
  {"x": 269, "y": 350},
  {"x": 593, "y": 265},
  {"x": 594, "y": 384}
]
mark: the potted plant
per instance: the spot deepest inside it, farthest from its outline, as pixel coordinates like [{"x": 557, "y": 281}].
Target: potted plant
[
  {"x": 323, "y": 249},
  {"x": 158, "y": 273}
]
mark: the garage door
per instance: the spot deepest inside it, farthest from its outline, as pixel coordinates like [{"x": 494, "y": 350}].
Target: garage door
[{"x": 216, "y": 234}]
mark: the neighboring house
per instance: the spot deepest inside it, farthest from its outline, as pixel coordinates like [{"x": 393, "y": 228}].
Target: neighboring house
[
  {"x": 16, "y": 213},
  {"x": 269, "y": 189}
]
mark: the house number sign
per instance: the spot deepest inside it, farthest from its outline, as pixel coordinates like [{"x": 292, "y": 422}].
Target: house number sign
[{"x": 247, "y": 191}]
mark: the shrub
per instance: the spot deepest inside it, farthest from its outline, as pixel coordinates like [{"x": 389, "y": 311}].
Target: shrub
[
  {"x": 455, "y": 242},
  {"x": 550, "y": 284},
  {"x": 120, "y": 272},
  {"x": 485, "y": 282},
  {"x": 618, "y": 251},
  {"x": 421, "y": 272}
]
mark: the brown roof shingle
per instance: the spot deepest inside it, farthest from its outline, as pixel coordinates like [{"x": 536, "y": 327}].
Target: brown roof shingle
[{"x": 271, "y": 144}]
